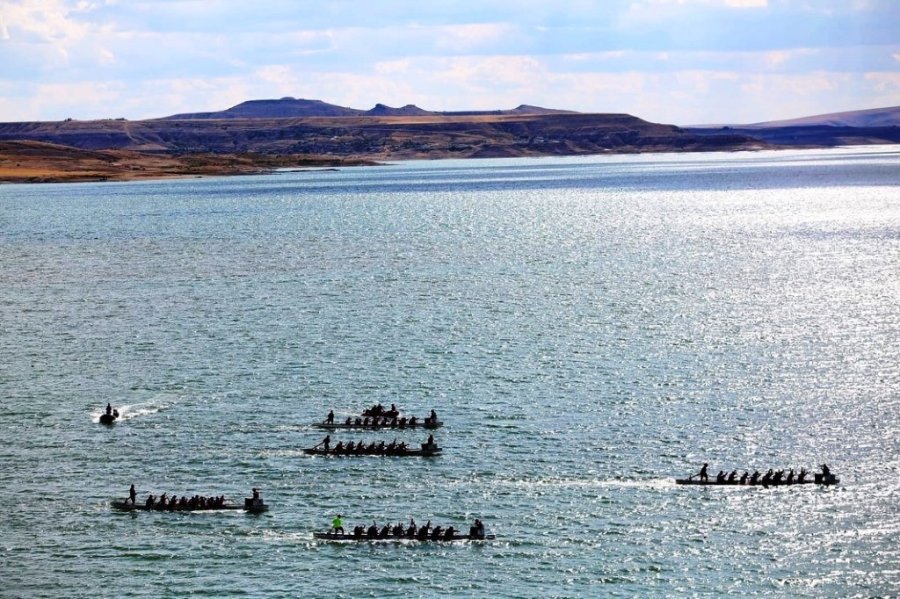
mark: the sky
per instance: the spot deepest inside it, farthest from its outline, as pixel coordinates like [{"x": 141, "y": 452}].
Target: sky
[{"x": 670, "y": 61}]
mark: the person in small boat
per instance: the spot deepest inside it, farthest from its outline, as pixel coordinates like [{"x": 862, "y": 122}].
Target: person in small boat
[
  {"x": 744, "y": 476},
  {"x": 449, "y": 533},
  {"x": 385, "y": 531},
  {"x": 767, "y": 477},
  {"x": 826, "y": 471},
  {"x": 358, "y": 421},
  {"x": 801, "y": 478},
  {"x": 704, "y": 477},
  {"x": 381, "y": 448},
  {"x": 358, "y": 531},
  {"x": 437, "y": 533},
  {"x": 397, "y": 530},
  {"x": 372, "y": 533},
  {"x": 348, "y": 421},
  {"x": 132, "y": 494},
  {"x": 776, "y": 478},
  {"x": 337, "y": 525},
  {"x": 403, "y": 422},
  {"x": 330, "y": 418},
  {"x": 325, "y": 443},
  {"x": 412, "y": 529},
  {"x": 430, "y": 444},
  {"x": 413, "y": 420},
  {"x": 720, "y": 477},
  {"x": 150, "y": 501},
  {"x": 108, "y": 410},
  {"x": 255, "y": 493},
  {"x": 733, "y": 476},
  {"x": 339, "y": 447},
  {"x": 790, "y": 478},
  {"x": 433, "y": 417}
]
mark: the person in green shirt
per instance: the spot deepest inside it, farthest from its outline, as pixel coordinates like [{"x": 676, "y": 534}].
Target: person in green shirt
[{"x": 337, "y": 525}]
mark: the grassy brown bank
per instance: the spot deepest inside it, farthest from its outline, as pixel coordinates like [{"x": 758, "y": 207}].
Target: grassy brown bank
[{"x": 39, "y": 162}]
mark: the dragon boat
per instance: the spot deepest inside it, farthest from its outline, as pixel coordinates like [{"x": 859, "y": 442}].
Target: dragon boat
[
  {"x": 333, "y": 536},
  {"x": 251, "y": 505},
  {"x": 425, "y": 451},
  {"x": 818, "y": 479},
  {"x": 380, "y": 423}
]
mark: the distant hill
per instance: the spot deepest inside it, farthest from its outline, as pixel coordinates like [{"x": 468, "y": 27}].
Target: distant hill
[
  {"x": 271, "y": 109},
  {"x": 875, "y": 117},
  {"x": 293, "y": 108}
]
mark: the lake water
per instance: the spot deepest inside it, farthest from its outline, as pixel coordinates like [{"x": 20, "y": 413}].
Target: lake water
[{"x": 587, "y": 329}]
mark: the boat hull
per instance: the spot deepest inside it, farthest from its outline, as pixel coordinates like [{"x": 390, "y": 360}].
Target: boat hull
[
  {"x": 397, "y": 427},
  {"x": 330, "y": 536},
  {"x": 127, "y": 506},
  {"x": 405, "y": 454}
]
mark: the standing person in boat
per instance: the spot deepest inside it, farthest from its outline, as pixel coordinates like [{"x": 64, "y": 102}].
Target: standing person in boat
[
  {"x": 704, "y": 477},
  {"x": 325, "y": 443},
  {"x": 108, "y": 409},
  {"x": 255, "y": 494},
  {"x": 337, "y": 525},
  {"x": 132, "y": 495},
  {"x": 330, "y": 418}
]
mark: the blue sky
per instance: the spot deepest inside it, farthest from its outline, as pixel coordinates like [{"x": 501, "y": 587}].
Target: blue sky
[{"x": 671, "y": 61}]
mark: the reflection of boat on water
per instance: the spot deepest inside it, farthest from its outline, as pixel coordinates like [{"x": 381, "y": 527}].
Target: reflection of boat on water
[{"x": 332, "y": 536}]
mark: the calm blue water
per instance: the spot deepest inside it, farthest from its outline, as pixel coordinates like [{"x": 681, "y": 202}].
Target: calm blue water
[{"x": 587, "y": 329}]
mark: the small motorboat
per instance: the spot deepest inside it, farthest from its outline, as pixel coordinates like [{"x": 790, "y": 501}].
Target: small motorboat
[{"x": 109, "y": 417}]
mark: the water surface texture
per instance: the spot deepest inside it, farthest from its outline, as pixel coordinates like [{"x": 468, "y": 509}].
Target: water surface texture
[{"x": 587, "y": 328}]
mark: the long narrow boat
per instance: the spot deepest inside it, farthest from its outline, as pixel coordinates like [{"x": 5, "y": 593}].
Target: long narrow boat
[
  {"x": 424, "y": 452},
  {"x": 253, "y": 506},
  {"x": 392, "y": 425},
  {"x": 332, "y": 536},
  {"x": 817, "y": 480}
]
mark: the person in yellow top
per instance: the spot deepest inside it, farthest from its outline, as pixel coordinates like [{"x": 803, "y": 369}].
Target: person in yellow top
[{"x": 337, "y": 525}]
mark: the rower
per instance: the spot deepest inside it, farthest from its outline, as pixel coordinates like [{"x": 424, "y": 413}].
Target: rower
[
  {"x": 339, "y": 447},
  {"x": 372, "y": 533},
  {"x": 449, "y": 533},
  {"x": 348, "y": 421},
  {"x": 433, "y": 417},
  {"x": 704, "y": 477},
  {"x": 790, "y": 478},
  {"x": 132, "y": 494},
  {"x": 149, "y": 503},
  {"x": 744, "y": 477},
  {"x": 430, "y": 443},
  {"x": 330, "y": 418},
  {"x": 437, "y": 533},
  {"x": 754, "y": 477},
  {"x": 826, "y": 471},
  {"x": 411, "y": 531},
  {"x": 337, "y": 525},
  {"x": 801, "y": 478},
  {"x": 476, "y": 531},
  {"x": 733, "y": 476},
  {"x": 255, "y": 494},
  {"x": 720, "y": 477}
]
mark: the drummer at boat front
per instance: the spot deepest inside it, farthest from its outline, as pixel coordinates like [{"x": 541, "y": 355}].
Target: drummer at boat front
[
  {"x": 330, "y": 418},
  {"x": 337, "y": 525},
  {"x": 702, "y": 474}
]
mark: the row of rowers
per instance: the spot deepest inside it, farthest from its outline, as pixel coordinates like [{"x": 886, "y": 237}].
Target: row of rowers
[
  {"x": 324, "y": 447},
  {"x": 378, "y": 417},
  {"x": 422, "y": 533}
]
